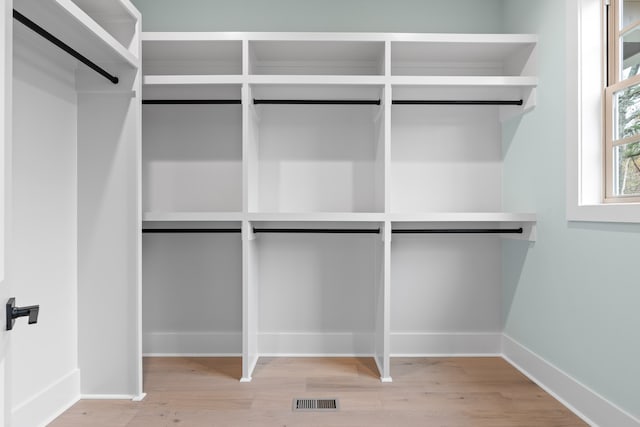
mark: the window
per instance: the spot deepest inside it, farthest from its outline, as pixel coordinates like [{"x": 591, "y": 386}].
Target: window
[
  {"x": 585, "y": 153},
  {"x": 622, "y": 102}
]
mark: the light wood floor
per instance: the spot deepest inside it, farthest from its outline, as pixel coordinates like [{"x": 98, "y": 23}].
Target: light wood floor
[{"x": 432, "y": 392}]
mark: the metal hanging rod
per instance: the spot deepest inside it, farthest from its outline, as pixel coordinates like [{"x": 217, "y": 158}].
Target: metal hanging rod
[
  {"x": 190, "y": 101},
  {"x": 190, "y": 230},
  {"x": 318, "y": 101},
  {"x": 318, "y": 230},
  {"x": 459, "y": 231},
  {"x": 454, "y": 102},
  {"x": 62, "y": 45},
  {"x": 326, "y": 102}
]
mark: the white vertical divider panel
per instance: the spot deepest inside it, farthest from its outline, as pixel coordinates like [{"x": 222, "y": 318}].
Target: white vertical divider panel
[
  {"x": 385, "y": 375},
  {"x": 382, "y": 303},
  {"x": 136, "y": 45},
  {"x": 249, "y": 202},
  {"x": 252, "y": 140},
  {"x": 380, "y": 154},
  {"x": 246, "y": 163},
  {"x": 380, "y": 336},
  {"x": 109, "y": 235},
  {"x": 249, "y": 138},
  {"x": 249, "y": 302},
  {"x": 388, "y": 99},
  {"x": 379, "y": 304}
]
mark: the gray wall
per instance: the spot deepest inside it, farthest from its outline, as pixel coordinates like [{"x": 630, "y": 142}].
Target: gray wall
[
  {"x": 480, "y": 16},
  {"x": 573, "y": 297}
]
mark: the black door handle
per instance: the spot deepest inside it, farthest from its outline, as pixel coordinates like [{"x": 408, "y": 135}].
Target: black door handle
[{"x": 14, "y": 312}]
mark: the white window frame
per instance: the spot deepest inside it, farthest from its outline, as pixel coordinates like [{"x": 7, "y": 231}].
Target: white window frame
[{"x": 584, "y": 119}]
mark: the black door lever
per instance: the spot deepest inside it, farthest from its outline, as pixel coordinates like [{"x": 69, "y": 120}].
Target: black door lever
[{"x": 14, "y": 312}]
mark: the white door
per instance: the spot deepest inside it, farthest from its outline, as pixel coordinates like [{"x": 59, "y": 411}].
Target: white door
[{"x": 5, "y": 140}]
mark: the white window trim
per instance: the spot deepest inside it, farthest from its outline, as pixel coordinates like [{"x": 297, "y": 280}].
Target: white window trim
[{"x": 584, "y": 147}]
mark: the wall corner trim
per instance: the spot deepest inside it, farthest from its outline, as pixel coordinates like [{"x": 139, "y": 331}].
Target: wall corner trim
[{"x": 593, "y": 408}]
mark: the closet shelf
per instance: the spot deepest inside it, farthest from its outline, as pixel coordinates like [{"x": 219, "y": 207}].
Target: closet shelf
[
  {"x": 316, "y": 80},
  {"x": 71, "y": 24},
  {"x": 178, "y": 80},
  {"x": 318, "y": 217},
  {"x": 466, "y": 81},
  {"x": 463, "y": 217},
  {"x": 191, "y": 216},
  {"x": 475, "y": 40},
  {"x": 426, "y": 217}
]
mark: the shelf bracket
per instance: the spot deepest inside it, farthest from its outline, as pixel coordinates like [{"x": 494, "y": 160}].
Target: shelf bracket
[
  {"x": 247, "y": 232},
  {"x": 528, "y": 103}
]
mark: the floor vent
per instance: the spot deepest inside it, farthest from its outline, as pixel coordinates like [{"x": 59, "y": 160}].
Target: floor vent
[{"x": 315, "y": 405}]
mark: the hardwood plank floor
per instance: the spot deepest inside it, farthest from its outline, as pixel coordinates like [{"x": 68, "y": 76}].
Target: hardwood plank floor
[{"x": 474, "y": 392}]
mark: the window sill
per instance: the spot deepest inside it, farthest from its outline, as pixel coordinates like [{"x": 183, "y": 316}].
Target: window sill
[{"x": 610, "y": 212}]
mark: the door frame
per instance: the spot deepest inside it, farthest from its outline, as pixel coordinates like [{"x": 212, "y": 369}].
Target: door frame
[{"x": 6, "y": 73}]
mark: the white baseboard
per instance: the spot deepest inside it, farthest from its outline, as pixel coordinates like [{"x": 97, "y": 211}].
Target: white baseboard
[
  {"x": 168, "y": 355},
  {"x": 334, "y": 344},
  {"x": 580, "y": 399},
  {"x": 133, "y": 397},
  {"x": 430, "y": 344},
  {"x": 253, "y": 361},
  {"x": 49, "y": 403},
  {"x": 348, "y": 344},
  {"x": 383, "y": 379},
  {"x": 192, "y": 343}
]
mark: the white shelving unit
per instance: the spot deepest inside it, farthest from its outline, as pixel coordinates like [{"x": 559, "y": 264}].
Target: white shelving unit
[
  {"x": 73, "y": 166},
  {"x": 323, "y": 173}
]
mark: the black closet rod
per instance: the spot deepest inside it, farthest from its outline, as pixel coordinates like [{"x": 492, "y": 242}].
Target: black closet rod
[
  {"x": 318, "y": 230},
  {"x": 394, "y": 102},
  {"x": 62, "y": 45},
  {"x": 459, "y": 231},
  {"x": 190, "y": 101},
  {"x": 190, "y": 230},
  {"x": 455, "y": 102},
  {"x": 318, "y": 101}
]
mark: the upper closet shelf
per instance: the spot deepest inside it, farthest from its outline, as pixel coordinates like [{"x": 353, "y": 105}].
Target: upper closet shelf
[
  {"x": 317, "y": 217},
  {"x": 89, "y": 27},
  {"x": 317, "y": 79},
  {"x": 177, "y": 80},
  {"x": 191, "y": 216},
  {"x": 463, "y": 217},
  {"x": 466, "y": 81}
]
